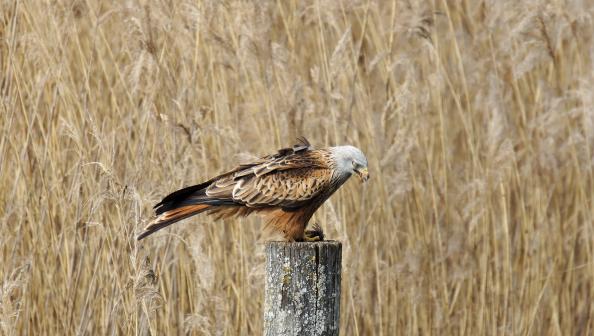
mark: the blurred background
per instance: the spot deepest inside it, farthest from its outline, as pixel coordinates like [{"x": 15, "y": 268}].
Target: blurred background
[{"x": 477, "y": 118}]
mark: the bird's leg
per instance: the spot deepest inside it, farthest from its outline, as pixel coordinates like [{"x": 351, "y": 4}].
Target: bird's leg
[{"x": 315, "y": 234}]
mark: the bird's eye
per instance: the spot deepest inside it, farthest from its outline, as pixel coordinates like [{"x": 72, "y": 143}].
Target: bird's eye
[{"x": 355, "y": 164}]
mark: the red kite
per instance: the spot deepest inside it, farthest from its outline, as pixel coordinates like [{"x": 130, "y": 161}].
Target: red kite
[{"x": 286, "y": 187}]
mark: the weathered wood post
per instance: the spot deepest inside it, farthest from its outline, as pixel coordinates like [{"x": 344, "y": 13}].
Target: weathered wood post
[{"x": 302, "y": 288}]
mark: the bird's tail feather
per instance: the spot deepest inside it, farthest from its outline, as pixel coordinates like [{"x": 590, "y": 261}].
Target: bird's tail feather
[{"x": 169, "y": 217}]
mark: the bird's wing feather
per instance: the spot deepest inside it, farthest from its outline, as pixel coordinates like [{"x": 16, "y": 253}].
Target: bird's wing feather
[
  {"x": 287, "y": 189},
  {"x": 286, "y": 180}
]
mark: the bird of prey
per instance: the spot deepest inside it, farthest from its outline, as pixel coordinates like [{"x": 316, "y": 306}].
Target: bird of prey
[{"x": 286, "y": 187}]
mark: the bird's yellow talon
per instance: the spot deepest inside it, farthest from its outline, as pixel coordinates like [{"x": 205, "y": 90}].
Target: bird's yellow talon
[{"x": 314, "y": 235}]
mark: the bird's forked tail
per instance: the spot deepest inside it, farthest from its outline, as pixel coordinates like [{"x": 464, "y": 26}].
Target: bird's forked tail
[{"x": 171, "y": 216}]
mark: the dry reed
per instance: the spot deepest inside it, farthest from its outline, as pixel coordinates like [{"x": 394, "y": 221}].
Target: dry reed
[{"x": 477, "y": 118}]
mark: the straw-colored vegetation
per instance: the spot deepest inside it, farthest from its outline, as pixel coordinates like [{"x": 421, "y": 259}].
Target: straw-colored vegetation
[{"x": 477, "y": 118}]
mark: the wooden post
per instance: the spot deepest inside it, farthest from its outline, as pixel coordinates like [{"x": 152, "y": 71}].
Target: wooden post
[{"x": 302, "y": 288}]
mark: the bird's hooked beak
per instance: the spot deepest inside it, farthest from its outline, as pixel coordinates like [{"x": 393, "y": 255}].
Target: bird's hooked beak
[{"x": 363, "y": 174}]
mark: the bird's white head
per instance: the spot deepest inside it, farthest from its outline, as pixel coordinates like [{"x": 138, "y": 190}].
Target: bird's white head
[{"x": 350, "y": 160}]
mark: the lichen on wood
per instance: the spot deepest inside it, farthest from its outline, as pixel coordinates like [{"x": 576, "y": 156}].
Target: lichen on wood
[{"x": 302, "y": 288}]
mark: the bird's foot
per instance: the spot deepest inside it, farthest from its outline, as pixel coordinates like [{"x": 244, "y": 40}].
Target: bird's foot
[{"x": 314, "y": 235}]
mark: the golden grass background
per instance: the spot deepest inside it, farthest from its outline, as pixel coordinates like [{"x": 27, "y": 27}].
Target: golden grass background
[{"x": 477, "y": 118}]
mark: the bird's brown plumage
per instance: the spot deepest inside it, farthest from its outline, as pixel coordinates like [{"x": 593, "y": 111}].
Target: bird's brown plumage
[{"x": 286, "y": 187}]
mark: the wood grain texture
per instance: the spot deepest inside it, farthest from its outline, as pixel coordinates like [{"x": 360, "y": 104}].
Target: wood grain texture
[{"x": 302, "y": 288}]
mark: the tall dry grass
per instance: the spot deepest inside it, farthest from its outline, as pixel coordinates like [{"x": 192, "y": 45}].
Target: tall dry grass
[{"x": 477, "y": 118}]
